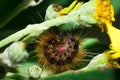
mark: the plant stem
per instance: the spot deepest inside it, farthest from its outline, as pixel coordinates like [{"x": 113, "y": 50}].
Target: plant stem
[
  {"x": 23, "y": 5},
  {"x": 78, "y": 17},
  {"x": 35, "y": 28}
]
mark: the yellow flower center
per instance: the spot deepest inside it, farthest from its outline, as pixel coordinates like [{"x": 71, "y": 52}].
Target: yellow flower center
[{"x": 104, "y": 11}]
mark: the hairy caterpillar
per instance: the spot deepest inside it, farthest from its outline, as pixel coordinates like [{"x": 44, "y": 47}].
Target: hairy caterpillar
[{"x": 59, "y": 51}]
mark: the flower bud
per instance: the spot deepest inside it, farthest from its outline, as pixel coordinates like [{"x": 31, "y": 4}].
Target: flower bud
[
  {"x": 52, "y": 11},
  {"x": 34, "y": 71},
  {"x": 17, "y": 52},
  {"x": 14, "y": 54}
]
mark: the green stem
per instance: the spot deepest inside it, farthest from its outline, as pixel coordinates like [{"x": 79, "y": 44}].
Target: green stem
[
  {"x": 78, "y": 17},
  {"x": 23, "y": 5},
  {"x": 35, "y": 28}
]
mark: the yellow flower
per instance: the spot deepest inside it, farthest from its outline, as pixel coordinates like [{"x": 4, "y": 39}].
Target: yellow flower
[{"x": 105, "y": 15}]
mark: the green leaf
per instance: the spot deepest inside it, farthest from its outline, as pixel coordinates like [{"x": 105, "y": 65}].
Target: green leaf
[{"x": 107, "y": 74}]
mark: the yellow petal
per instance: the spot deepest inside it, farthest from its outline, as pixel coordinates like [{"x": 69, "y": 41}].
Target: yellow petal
[
  {"x": 77, "y": 6},
  {"x": 115, "y": 55},
  {"x": 68, "y": 9},
  {"x": 114, "y": 35},
  {"x": 73, "y": 6},
  {"x": 111, "y": 55}
]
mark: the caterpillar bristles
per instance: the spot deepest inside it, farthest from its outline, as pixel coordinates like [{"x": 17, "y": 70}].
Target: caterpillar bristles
[{"x": 59, "y": 51}]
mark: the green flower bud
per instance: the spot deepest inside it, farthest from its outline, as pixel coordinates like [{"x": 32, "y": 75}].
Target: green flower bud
[
  {"x": 17, "y": 52},
  {"x": 52, "y": 11},
  {"x": 34, "y": 71},
  {"x": 14, "y": 54}
]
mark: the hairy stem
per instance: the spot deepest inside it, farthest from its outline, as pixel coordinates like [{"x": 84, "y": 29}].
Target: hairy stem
[{"x": 35, "y": 28}]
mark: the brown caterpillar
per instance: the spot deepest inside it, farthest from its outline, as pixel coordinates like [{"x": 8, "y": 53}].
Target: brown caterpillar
[{"x": 60, "y": 51}]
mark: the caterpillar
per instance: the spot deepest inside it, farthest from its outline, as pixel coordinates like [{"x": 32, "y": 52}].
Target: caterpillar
[{"x": 59, "y": 51}]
